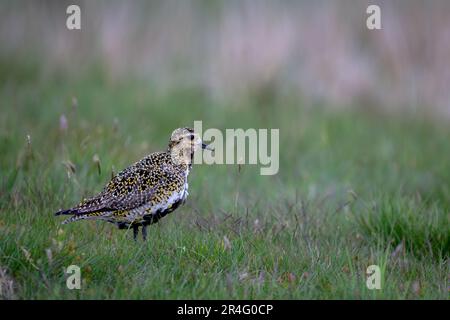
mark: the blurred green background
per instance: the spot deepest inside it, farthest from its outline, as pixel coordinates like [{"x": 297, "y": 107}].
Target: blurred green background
[{"x": 364, "y": 147}]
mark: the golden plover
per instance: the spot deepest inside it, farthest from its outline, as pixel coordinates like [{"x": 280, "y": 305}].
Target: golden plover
[{"x": 146, "y": 191}]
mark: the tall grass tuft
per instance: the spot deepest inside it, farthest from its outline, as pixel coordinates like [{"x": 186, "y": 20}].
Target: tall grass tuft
[{"x": 423, "y": 230}]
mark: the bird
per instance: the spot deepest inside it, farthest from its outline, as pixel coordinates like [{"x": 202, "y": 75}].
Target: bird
[{"x": 146, "y": 191}]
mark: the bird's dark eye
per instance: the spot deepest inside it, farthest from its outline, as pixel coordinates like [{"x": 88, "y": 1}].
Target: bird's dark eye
[{"x": 192, "y": 137}]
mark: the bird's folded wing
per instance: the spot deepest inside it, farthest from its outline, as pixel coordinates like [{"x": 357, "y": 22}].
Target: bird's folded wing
[
  {"x": 127, "y": 197},
  {"x": 132, "y": 199}
]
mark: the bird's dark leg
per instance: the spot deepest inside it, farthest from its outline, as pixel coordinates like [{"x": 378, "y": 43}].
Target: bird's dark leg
[
  {"x": 144, "y": 232},
  {"x": 135, "y": 232}
]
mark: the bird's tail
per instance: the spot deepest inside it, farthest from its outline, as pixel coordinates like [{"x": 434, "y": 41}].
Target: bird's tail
[
  {"x": 77, "y": 215},
  {"x": 66, "y": 212}
]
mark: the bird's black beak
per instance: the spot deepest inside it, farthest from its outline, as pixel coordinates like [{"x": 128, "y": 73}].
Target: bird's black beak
[{"x": 207, "y": 147}]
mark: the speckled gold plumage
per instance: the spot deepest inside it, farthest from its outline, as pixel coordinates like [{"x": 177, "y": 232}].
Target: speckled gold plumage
[{"x": 145, "y": 191}]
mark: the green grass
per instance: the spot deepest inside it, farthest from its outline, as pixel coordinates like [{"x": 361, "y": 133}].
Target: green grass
[{"x": 355, "y": 188}]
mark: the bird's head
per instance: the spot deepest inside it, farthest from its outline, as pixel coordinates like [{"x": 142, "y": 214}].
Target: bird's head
[{"x": 183, "y": 143}]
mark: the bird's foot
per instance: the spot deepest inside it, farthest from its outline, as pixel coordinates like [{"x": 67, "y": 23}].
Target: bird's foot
[{"x": 135, "y": 232}]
